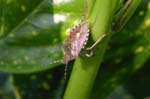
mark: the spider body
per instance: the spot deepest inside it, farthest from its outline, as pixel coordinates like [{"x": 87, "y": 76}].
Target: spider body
[{"x": 75, "y": 42}]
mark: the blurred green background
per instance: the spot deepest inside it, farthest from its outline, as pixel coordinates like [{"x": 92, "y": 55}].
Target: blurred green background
[{"x": 31, "y": 34}]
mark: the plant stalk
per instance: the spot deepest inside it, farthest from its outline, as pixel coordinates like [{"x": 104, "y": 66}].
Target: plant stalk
[{"x": 85, "y": 69}]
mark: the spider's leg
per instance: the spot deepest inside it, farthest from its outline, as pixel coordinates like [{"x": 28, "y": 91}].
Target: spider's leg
[
  {"x": 86, "y": 9},
  {"x": 122, "y": 16},
  {"x": 90, "y": 49}
]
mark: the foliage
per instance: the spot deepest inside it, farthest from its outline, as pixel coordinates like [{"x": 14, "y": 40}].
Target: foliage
[{"x": 31, "y": 34}]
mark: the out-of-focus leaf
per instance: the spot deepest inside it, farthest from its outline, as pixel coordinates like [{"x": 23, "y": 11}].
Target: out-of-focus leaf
[
  {"x": 12, "y": 12},
  {"x": 127, "y": 54},
  {"x": 6, "y": 87},
  {"x": 32, "y": 33},
  {"x": 47, "y": 84}
]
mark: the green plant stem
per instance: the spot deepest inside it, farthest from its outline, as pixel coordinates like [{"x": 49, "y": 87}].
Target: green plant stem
[{"x": 85, "y": 70}]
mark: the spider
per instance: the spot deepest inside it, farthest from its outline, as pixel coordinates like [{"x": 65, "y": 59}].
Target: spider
[{"x": 77, "y": 40}]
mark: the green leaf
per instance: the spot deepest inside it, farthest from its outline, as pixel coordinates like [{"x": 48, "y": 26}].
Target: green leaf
[
  {"x": 38, "y": 85},
  {"x": 31, "y": 33}
]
